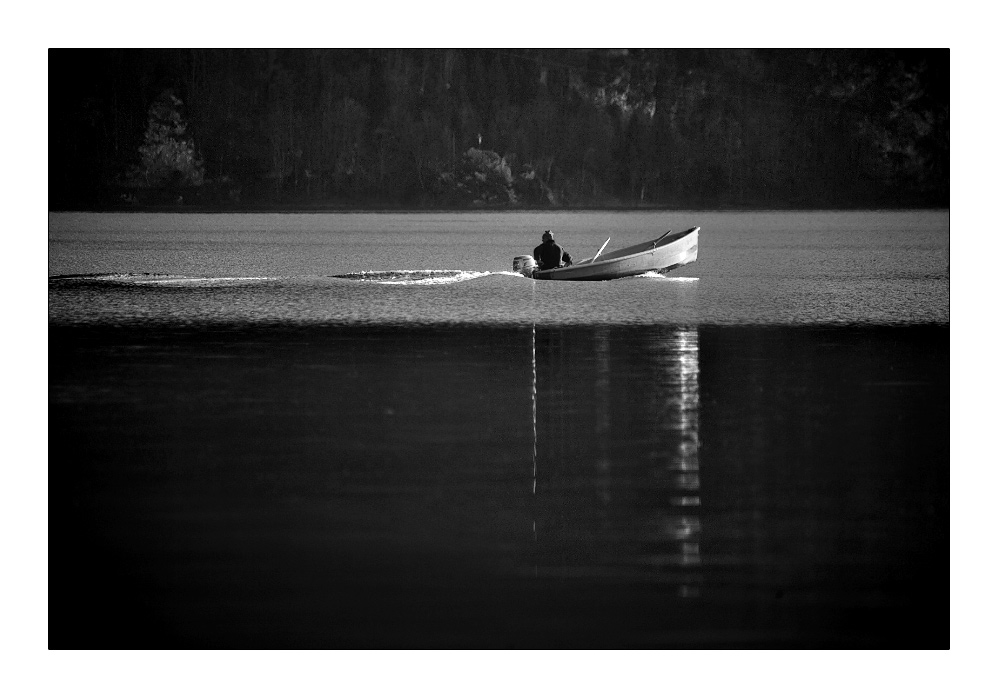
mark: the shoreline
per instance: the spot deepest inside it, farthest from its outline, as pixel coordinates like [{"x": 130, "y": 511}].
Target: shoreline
[{"x": 595, "y": 209}]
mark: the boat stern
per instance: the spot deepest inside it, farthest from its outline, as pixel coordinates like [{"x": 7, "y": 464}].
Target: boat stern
[{"x": 524, "y": 264}]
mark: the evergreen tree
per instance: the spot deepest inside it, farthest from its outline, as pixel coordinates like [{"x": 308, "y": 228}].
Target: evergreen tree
[{"x": 167, "y": 155}]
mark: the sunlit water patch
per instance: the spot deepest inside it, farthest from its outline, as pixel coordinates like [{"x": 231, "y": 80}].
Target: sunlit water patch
[{"x": 796, "y": 268}]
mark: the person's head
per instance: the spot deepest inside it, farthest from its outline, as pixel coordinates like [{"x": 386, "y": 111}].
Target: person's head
[{"x": 547, "y": 236}]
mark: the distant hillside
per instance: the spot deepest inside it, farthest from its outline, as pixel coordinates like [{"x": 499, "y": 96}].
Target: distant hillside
[{"x": 499, "y": 128}]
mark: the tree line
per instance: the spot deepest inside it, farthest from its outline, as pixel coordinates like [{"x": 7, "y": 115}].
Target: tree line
[{"x": 424, "y": 128}]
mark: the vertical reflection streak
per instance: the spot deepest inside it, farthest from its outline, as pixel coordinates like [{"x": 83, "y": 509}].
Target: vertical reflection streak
[
  {"x": 534, "y": 426},
  {"x": 689, "y": 463},
  {"x": 603, "y": 477},
  {"x": 619, "y": 443},
  {"x": 534, "y": 420},
  {"x": 534, "y": 411},
  {"x": 679, "y": 382}
]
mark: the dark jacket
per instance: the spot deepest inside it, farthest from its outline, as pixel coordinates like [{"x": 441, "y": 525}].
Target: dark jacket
[{"x": 550, "y": 254}]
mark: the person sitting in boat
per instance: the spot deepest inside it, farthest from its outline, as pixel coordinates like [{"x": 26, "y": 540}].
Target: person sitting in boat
[{"x": 550, "y": 254}]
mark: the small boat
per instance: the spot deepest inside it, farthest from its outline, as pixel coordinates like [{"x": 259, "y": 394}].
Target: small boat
[{"x": 668, "y": 251}]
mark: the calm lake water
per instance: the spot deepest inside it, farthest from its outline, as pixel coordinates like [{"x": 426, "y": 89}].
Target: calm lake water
[
  {"x": 428, "y": 451},
  {"x": 825, "y": 267}
]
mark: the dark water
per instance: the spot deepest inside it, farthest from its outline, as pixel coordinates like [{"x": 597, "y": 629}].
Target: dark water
[{"x": 301, "y": 461}]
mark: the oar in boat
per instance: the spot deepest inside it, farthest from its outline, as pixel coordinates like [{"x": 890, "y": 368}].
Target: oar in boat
[
  {"x": 660, "y": 238},
  {"x": 594, "y": 258}
]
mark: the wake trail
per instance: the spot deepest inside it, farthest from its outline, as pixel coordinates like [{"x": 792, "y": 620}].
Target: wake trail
[
  {"x": 418, "y": 277},
  {"x": 160, "y": 279}
]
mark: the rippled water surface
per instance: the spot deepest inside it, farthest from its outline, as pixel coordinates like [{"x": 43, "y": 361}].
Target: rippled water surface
[
  {"x": 359, "y": 430},
  {"x": 824, "y": 267}
]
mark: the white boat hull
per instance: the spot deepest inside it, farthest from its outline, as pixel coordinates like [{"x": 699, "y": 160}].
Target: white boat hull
[{"x": 661, "y": 255}]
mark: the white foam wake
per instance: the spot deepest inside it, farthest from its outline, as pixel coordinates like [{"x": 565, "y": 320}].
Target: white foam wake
[
  {"x": 664, "y": 277},
  {"x": 410, "y": 277},
  {"x": 160, "y": 279},
  {"x": 202, "y": 281}
]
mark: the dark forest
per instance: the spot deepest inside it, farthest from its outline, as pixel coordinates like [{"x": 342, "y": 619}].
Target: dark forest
[{"x": 245, "y": 129}]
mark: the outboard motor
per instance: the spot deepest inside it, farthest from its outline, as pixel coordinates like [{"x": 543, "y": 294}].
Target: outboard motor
[{"x": 524, "y": 264}]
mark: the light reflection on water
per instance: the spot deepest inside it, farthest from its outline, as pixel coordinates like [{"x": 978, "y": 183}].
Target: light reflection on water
[
  {"x": 680, "y": 368},
  {"x": 619, "y": 473}
]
